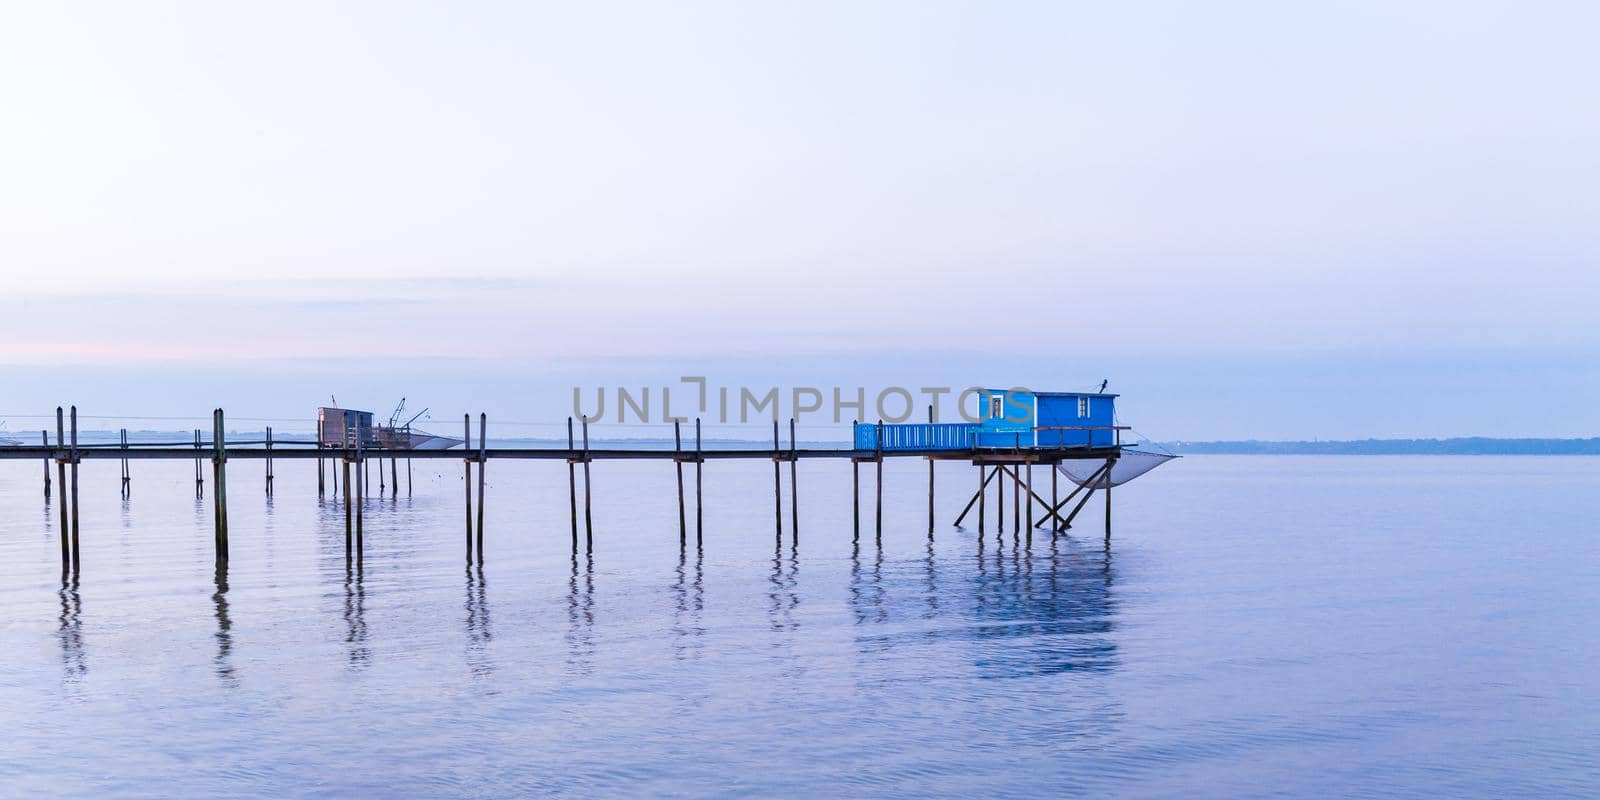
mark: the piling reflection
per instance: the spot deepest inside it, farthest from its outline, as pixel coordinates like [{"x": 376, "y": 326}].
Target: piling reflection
[
  {"x": 1026, "y": 611},
  {"x": 355, "y": 618},
  {"x": 580, "y": 617},
  {"x": 479, "y": 633},
  {"x": 688, "y": 607},
  {"x": 71, "y": 629},
  {"x": 782, "y": 597},
  {"x": 223, "y": 661}
]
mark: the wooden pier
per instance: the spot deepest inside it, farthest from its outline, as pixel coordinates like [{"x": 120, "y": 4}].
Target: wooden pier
[{"x": 995, "y": 464}]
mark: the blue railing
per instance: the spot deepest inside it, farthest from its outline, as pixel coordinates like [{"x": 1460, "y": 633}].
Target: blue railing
[{"x": 916, "y": 436}]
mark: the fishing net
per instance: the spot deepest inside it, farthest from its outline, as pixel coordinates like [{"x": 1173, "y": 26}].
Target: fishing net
[{"x": 1131, "y": 464}]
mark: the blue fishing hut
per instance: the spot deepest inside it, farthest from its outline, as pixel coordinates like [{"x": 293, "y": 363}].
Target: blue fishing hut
[{"x": 1009, "y": 418}]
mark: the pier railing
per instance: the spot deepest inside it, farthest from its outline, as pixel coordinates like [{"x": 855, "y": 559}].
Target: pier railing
[{"x": 916, "y": 436}]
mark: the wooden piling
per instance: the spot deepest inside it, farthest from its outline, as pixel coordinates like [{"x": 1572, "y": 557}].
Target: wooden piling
[
  {"x": 1028, "y": 474},
  {"x": 394, "y": 472},
  {"x": 61, "y": 480},
  {"x": 483, "y": 463},
  {"x": 572, "y": 483},
  {"x": 361, "y": 494},
  {"x": 930, "y": 481},
  {"x": 1000, "y": 499},
  {"x": 127, "y": 477},
  {"x": 1016, "y": 504},
  {"x": 349, "y": 531},
  {"x": 269, "y": 461},
  {"x": 1111, "y": 463},
  {"x": 588, "y": 504},
  {"x": 466, "y": 481},
  {"x": 983, "y": 497},
  {"x": 199, "y": 479},
  {"x": 699, "y": 461},
  {"x": 777, "y": 488},
  {"x": 321, "y": 462},
  {"x": 677, "y": 461},
  {"x": 44, "y": 437},
  {"x": 880, "y": 482},
  {"x": 794, "y": 489},
  {"x": 74, "y": 488},
  {"x": 855, "y": 484},
  {"x": 219, "y": 482},
  {"x": 1055, "y": 503}
]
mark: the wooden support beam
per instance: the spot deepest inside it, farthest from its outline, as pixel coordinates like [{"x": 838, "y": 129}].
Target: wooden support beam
[
  {"x": 1111, "y": 464},
  {"x": 483, "y": 465},
  {"x": 321, "y": 462},
  {"x": 1028, "y": 473},
  {"x": 219, "y": 481},
  {"x": 588, "y": 503},
  {"x": 677, "y": 447},
  {"x": 983, "y": 497},
  {"x": 794, "y": 489},
  {"x": 349, "y": 530},
  {"x": 44, "y": 437},
  {"x": 466, "y": 481},
  {"x": 61, "y": 480},
  {"x": 572, "y": 485},
  {"x": 74, "y": 488},
  {"x": 984, "y": 476},
  {"x": 699, "y": 458},
  {"x": 777, "y": 488},
  {"x": 930, "y": 482},
  {"x": 879, "y": 465}
]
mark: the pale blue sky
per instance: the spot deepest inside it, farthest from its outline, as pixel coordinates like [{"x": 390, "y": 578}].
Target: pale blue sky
[{"x": 1256, "y": 219}]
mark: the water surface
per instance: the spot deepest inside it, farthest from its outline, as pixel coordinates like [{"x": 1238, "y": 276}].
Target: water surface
[{"x": 1258, "y": 626}]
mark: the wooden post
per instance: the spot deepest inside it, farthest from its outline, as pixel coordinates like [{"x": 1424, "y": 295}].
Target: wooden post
[
  {"x": 394, "y": 471},
  {"x": 321, "y": 480},
  {"x": 199, "y": 480},
  {"x": 930, "y": 480},
  {"x": 1110, "y": 464},
  {"x": 483, "y": 463},
  {"x": 677, "y": 461},
  {"x": 983, "y": 497},
  {"x": 880, "y": 481},
  {"x": 61, "y": 480},
  {"x": 362, "y": 484},
  {"x": 219, "y": 483},
  {"x": 855, "y": 483},
  {"x": 269, "y": 460},
  {"x": 1016, "y": 503},
  {"x": 349, "y": 531},
  {"x": 572, "y": 484},
  {"x": 466, "y": 482},
  {"x": 777, "y": 488},
  {"x": 588, "y": 504},
  {"x": 699, "y": 460},
  {"x": 1055, "y": 524},
  {"x": 1000, "y": 499},
  {"x": 1028, "y": 473},
  {"x": 794, "y": 488},
  {"x": 74, "y": 488},
  {"x": 126, "y": 476},
  {"x": 44, "y": 436}
]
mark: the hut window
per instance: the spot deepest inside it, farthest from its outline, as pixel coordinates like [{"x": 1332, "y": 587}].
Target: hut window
[
  {"x": 1083, "y": 406},
  {"x": 997, "y": 408}
]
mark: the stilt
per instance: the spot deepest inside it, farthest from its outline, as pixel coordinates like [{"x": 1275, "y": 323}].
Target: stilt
[
  {"x": 219, "y": 482},
  {"x": 321, "y": 462},
  {"x": 880, "y": 483},
  {"x": 466, "y": 465},
  {"x": 61, "y": 480},
  {"x": 408, "y": 473},
  {"x": 983, "y": 495},
  {"x": 44, "y": 437},
  {"x": 363, "y": 475},
  {"x": 74, "y": 488},
  {"x": 1110, "y": 464},
  {"x": 127, "y": 477},
  {"x": 1000, "y": 499},
  {"x": 698, "y": 461},
  {"x": 777, "y": 487},
  {"x": 677, "y": 462},
  {"x": 1028, "y": 473},
  {"x": 1016, "y": 503},
  {"x": 349, "y": 531},
  {"x": 855, "y": 487},
  {"x": 588, "y": 504},
  {"x": 199, "y": 480},
  {"x": 483, "y": 463},
  {"x": 794, "y": 489},
  {"x": 269, "y": 460},
  {"x": 930, "y": 482},
  {"x": 572, "y": 484},
  {"x": 394, "y": 472},
  {"x": 1055, "y": 524}
]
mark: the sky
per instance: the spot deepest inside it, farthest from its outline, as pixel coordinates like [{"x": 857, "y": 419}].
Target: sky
[{"x": 1256, "y": 220}]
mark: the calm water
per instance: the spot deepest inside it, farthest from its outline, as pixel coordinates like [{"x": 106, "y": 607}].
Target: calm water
[{"x": 1258, "y": 627}]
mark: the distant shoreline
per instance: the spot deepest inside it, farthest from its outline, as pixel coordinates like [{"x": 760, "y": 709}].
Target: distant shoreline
[{"x": 1462, "y": 446}]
